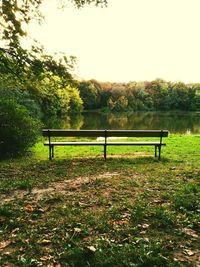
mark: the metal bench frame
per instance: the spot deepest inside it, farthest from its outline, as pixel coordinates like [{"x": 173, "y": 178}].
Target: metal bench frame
[{"x": 105, "y": 134}]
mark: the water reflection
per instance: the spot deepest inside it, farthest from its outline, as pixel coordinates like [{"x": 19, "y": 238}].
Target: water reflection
[{"x": 175, "y": 122}]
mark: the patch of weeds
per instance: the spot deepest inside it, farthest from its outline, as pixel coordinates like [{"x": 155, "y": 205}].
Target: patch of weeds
[
  {"x": 163, "y": 218},
  {"x": 54, "y": 199},
  {"x": 98, "y": 183},
  {"x": 24, "y": 185},
  {"x": 8, "y": 211},
  {"x": 77, "y": 256},
  {"x": 11, "y": 217},
  {"x": 139, "y": 253},
  {"x": 138, "y": 213},
  {"x": 187, "y": 197},
  {"x": 165, "y": 196},
  {"x": 133, "y": 183}
]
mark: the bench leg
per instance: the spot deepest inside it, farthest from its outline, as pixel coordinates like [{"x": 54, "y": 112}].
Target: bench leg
[
  {"x": 159, "y": 151},
  {"x": 51, "y": 152},
  {"x": 104, "y": 152},
  {"x": 155, "y": 151}
]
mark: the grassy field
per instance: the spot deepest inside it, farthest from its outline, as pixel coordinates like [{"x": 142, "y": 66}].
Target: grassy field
[{"x": 79, "y": 210}]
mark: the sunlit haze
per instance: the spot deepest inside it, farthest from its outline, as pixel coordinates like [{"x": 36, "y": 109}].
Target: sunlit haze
[{"x": 130, "y": 40}]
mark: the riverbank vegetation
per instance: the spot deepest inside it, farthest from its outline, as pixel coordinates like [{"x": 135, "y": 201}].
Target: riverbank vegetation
[
  {"x": 79, "y": 210},
  {"x": 140, "y": 96}
]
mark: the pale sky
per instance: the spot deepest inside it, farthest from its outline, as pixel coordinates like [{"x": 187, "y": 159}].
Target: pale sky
[{"x": 130, "y": 40}]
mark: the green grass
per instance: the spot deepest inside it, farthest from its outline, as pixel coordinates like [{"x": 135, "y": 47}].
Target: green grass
[{"x": 79, "y": 210}]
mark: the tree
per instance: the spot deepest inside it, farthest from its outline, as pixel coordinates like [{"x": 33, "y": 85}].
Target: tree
[
  {"x": 90, "y": 95},
  {"x": 182, "y": 95}
]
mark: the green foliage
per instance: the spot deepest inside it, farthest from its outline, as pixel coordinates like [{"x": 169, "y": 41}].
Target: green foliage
[
  {"x": 18, "y": 130},
  {"x": 22, "y": 97},
  {"x": 133, "y": 96},
  {"x": 90, "y": 95},
  {"x": 44, "y": 92},
  {"x": 57, "y": 96},
  {"x": 75, "y": 103}
]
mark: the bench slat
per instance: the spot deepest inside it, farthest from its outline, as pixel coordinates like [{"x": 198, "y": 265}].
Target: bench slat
[
  {"x": 134, "y": 143},
  {"x": 101, "y": 133},
  {"x": 74, "y": 143},
  {"x": 136, "y": 133},
  {"x": 102, "y": 143},
  {"x": 74, "y": 133}
]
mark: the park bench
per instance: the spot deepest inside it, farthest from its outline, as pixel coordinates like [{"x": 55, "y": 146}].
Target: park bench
[{"x": 104, "y": 134}]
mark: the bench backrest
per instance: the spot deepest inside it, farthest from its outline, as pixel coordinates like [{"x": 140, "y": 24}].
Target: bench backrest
[{"x": 105, "y": 133}]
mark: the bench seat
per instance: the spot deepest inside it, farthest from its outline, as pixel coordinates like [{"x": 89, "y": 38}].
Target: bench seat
[
  {"x": 134, "y": 143},
  {"x": 83, "y": 143}
]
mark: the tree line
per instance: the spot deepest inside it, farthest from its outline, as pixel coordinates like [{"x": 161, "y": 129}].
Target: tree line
[
  {"x": 139, "y": 96},
  {"x": 48, "y": 94}
]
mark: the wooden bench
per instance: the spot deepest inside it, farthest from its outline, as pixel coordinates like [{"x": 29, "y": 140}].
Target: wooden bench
[{"x": 104, "y": 134}]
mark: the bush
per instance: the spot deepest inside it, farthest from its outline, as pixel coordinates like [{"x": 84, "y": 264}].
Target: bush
[
  {"x": 22, "y": 97},
  {"x": 18, "y": 130}
]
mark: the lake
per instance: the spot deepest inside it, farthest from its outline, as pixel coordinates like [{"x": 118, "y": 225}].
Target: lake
[{"x": 175, "y": 122}]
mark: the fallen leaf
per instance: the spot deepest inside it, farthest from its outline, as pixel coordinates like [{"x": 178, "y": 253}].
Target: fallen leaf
[
  {"x": 15, "y": 230},
  {"x": 4, "y": 243},
  {"x": 120, "y": 222},
  {"x": 54, "y": 265},
  {"x": 190, "y": 232},
  {"x": 188, "y": 252},
  {"x": 77, "y": 230},
  {"x": 158, "y": 201},
  {"x": 87, "y": 238},
  {"x": 74, "y": 187},
  {"x": 28, "y": 208},
  {"x": 45, "y": 241},
  {"x": 91, "y": 248},
  {"x": 46, "y": 258},
  {"x": 13, "y": 233},
  {"x": 40, "y": 210},
  {"x": 145, "y": 225}
]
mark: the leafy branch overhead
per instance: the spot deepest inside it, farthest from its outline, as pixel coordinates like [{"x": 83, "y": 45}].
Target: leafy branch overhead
[
  {"x": 14, "y": 17},
  {"x": 20, "y": 62}
]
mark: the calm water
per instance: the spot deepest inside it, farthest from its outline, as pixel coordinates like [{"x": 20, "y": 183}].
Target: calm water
[{"x": 175, "y": 122}]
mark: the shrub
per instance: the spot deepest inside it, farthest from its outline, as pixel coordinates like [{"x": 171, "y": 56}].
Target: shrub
[
  {"x": 18, "y": 130},
  {"x": 22, "y": 97}
]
